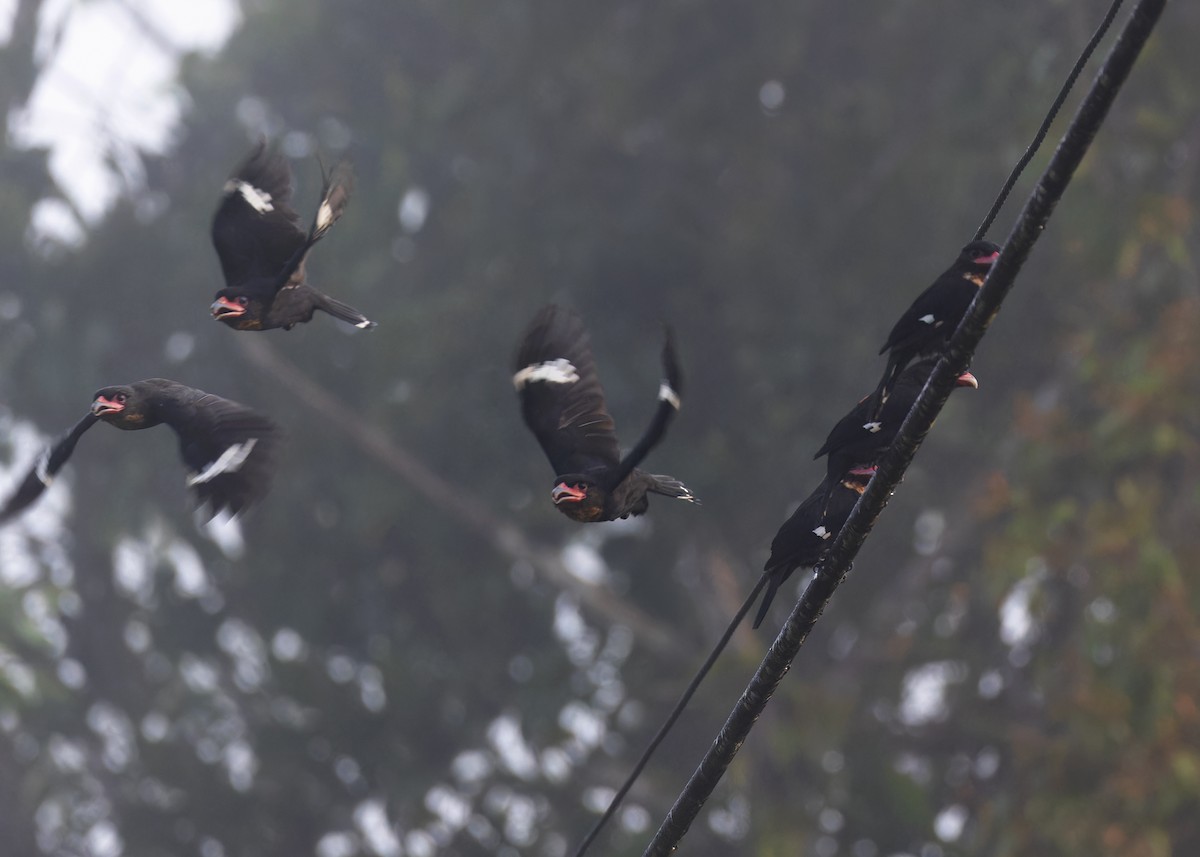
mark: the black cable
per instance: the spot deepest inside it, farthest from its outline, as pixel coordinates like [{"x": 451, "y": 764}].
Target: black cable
[
  {"x": 1048, "y": 121},
  {"x": 672, "y": 717},
  {"x": 830, "y": 572}
]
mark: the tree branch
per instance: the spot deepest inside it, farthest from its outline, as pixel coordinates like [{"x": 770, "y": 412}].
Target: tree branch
[
  {"x": 830, "y": 573},
  {"x": 504, "y": 535}
]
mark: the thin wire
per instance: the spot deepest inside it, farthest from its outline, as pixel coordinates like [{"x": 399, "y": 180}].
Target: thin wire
[
  {"x": 1038, "y": 138},
  {"x": 672, "y": 717},
  {"x": 829, "y": 573},
  {"x": 1048, "y": 121}
]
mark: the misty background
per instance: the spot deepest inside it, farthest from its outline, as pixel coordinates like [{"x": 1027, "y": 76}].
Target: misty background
[{"x": 405, "y": 650}]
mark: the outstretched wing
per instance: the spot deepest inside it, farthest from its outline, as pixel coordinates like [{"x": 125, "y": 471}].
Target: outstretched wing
[
  {"x": 255, "y": 230},
  {"x": 669, "y": 392},
  {"x": 44, "y": 470},
  {"x": 561, "y": 397},
  {"x": 335, "y": 195},
  {"x": 229, "y": 451}
]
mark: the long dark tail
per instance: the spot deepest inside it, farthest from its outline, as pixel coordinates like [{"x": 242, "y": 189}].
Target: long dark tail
[
  {"x": 345, "y": 312},
  {"x": 669, "y": 393},
  {"x": 335, "y": 195},
  {"x": 44, "y": 469},
  {"x": 672, "y": 717},
  {"x": 774, "y": 579}
]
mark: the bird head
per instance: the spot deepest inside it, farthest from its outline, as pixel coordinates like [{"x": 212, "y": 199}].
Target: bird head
[
  {"x": 977, "y": 258},
  {"x": 237, "y": 310},
  {"x": 118, "y": 406},
  {"x": 578, "y": 498}
]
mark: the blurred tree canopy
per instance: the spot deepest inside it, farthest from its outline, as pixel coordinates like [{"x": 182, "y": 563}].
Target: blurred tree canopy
[{"x": 368, "y": 668}]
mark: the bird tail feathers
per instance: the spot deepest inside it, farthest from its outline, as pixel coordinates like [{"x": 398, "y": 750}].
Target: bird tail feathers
[
  {"x": 345, "y": 312},
  {"x": 669, "y": 486}
]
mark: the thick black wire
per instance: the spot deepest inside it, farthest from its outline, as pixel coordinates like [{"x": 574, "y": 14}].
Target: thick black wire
[
  {"x": 1048, "y": 121},
  {"x": 829, "y": 573},
  {"x": 672, "y": 717},
  {"x": 1032, "y": 149}
]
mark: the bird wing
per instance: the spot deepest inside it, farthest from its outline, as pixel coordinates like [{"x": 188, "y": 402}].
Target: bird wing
[
  {"x": 561, "y": 397},
  {"x": 943, "y": 303},
  {"x": 255, "y": 229},
  {"x": 850, "y": 428},
  {"x": 336, "y": 186},
  {"x": 229, "y": 451},
  {"x": 44, "y": 469},
  {"x": 669, "y": 392}
]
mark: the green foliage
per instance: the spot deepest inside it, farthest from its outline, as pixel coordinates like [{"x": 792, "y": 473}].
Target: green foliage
[{"x": 371, "y": 650}]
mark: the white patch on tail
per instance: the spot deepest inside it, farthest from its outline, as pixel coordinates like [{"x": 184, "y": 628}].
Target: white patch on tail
[
  {"x": 666, "y": 394},
  {"x": 560, "y": 371},
  {"x": 229, "y": 461},
  {"x": 259, "y": 200},
  {"x": 822, "y": 533}
]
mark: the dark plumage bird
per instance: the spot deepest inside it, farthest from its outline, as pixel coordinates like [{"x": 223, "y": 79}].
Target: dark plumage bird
[
  {"x": 563, "y": 404},
  {"x": 860, "y": 437},
  {"x": 228, "y": 449},
  {"x": 811, "y": 529},
  {"x": 263, "y": 249},
  {"x": 928, "y": 324}
]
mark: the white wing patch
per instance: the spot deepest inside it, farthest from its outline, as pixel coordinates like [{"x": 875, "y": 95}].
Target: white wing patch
[
  {"x": 324, "y": 216},
  {"x": 874, "y": 427},
  {"x": 928, "y": 318},
  {"x": 666, "y": 394},
  {"x": 560, "y": 371},
  {"x": 228, "y": 461},
  {"x": 257, "y": 199},
  {"x": 822, "y": 533},
  {"x": 41, "y": 470},
  {"x": 365, "y": 323}
]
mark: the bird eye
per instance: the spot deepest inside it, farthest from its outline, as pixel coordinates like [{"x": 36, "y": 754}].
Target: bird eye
[
  {"x": 242, "y": 300},
  {"x": 120, "y": 397}
]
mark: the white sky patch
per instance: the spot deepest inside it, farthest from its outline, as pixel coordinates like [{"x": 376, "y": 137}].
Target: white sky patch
[
  {"x": 514, "y": 753},
  {"x": 225, "y": 531},
  {"x": 923, "y": 695},
  {"x": 1017, "y": 623},
  {"x": 8, "y": 12},
  {"x": 413, "y": 209},
  {"x": 950, "y": 822},
  {"x": 370, "y": 817},
  {"x": 106, "y": 91},
  {"x": 585, "y": 562}
]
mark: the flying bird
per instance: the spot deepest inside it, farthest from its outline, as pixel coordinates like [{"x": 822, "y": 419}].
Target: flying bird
[
  {"x": 262, "y": 248},
  {"x": 228, "y": 449},
  {"x": 563, "y": 405},
  {"x": 861, "y": 436},
  {"x": 804, "y": 536},
  {"x": 928, "y": 324}
]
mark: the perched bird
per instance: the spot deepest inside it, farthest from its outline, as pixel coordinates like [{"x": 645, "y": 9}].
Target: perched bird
[
  {"x": 928, "y": 324},
  {"x": 563, "y": 404},
  {"x": 263, "y": 249},
  {"x": 229, "y": 449},
  {"x": 860, "y": 437},
  {"x": 811, "y": 529}
]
